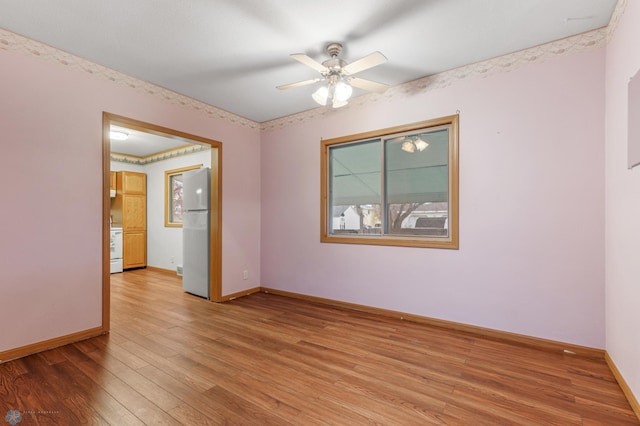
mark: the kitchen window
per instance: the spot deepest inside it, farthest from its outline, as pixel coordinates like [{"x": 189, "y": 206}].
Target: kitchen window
[
  {"x": 396, "y": 186},
  {"x": 173, "y": 196}
]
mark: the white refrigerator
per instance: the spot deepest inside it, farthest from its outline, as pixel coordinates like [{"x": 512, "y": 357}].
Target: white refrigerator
[{"x": 195, "y": 232}]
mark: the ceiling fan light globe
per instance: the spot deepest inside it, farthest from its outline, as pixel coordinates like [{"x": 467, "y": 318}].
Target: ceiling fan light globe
[
  {"x": 321, "y": 95},
  {"x": 343, "y": 91},
  {"x": 338, "y": 103}
]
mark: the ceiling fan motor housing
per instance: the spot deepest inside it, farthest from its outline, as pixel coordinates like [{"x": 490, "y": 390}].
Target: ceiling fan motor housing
[
  {"x": 334, "y": 65},
  {"x": 334, "y": 49}
]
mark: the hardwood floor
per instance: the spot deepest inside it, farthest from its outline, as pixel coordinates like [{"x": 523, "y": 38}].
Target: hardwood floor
[{"x": 173, "y": 358}]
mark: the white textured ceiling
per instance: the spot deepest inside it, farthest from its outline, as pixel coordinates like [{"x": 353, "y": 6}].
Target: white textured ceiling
[{"x": 233, "y": 53}]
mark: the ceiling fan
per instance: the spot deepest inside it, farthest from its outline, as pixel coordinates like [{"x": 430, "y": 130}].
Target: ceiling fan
[{"x": 339, "y": 76}]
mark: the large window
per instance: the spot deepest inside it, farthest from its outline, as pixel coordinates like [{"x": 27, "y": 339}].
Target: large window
[
  {"x": 397, "y": 186},
  {"x": 173, "y": 196}
]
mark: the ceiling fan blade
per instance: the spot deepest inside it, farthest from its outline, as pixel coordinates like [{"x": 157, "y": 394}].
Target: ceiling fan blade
[
  {"x": 371, "y": 86},
  {"x": 369, "y": 61},
  {"x": 301, "y": 57},
  {"x": 298, "y": 84}
]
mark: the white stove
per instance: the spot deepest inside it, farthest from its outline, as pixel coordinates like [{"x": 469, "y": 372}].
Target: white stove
[{"x": 115, "y": 245}]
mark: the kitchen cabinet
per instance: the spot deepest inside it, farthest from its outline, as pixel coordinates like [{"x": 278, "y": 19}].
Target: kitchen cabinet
[
  {"x": 129, "y": 209},
  {"x": 112, "y": 181},
  {"x": 134, "y": 183},
  {"x": 134, "y": 212},
  {"x": 134, "y": 249}
]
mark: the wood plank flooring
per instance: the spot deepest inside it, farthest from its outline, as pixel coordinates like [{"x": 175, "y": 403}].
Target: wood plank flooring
[{"x": 173, "y": 358}]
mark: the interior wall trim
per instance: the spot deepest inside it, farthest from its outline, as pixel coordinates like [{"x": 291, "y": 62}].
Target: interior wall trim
[
  {"x": 165, "y": 271},
  {"x": 568, "y": 349},
  {"x": 15, "y": 42},
  {"x": 45, "y": 345},
  {"x": 158, "y": 156},
  {"x": 631, "y": 398},
  {"x": 242, "y": 293}
]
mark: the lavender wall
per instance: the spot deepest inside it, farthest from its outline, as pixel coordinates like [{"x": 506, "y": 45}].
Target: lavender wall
[
  {"x": 51, "y": 169},
  {"x": 531, "y": 201},
  {"x": 531, "y": 256},
  {"x": 622, "y": 205}
]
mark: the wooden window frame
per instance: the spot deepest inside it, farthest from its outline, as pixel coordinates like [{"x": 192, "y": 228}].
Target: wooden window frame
[
  {"x": 168, "y": 198},
  {"x": 452, "y": 240}
]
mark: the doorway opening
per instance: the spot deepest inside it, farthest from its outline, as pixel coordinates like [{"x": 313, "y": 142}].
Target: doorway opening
[{"x": 112, "y": 121}]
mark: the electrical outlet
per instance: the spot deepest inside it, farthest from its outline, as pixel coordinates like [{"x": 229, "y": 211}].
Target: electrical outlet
[
  {"x": 172, "y": 259},
  {"x": 245, "y": 275}
]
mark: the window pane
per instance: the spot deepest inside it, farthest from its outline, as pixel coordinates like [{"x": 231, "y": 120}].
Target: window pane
[
  {"x": 176, "y": 198},
  {"x": 173, "y": 192},
  {"x": 354, "y": 178},
  {"x": 417, "y": 184},
  {"x": 395, "y": 187}
]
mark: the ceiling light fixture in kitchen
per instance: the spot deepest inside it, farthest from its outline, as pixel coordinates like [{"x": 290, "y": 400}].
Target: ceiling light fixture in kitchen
[{"x": 118, "y": 135}]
